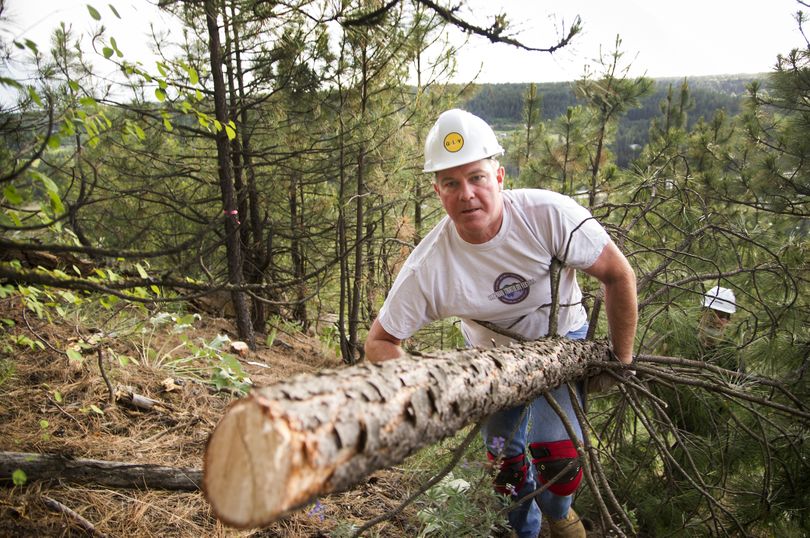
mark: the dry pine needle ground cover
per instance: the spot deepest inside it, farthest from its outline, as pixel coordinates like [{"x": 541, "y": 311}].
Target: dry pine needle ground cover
[{"x": 45, "y": 407}]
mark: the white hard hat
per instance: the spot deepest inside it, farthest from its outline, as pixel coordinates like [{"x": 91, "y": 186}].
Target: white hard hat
[
  {"x": 457, "y": 138},
  {"x": 721, "y": 299}
]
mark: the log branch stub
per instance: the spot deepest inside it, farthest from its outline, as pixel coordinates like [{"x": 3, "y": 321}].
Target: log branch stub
[{"x": 286, "y": 444}]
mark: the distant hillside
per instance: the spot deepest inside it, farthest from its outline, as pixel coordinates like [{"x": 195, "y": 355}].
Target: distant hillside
[{"x": 502, "y": 104}]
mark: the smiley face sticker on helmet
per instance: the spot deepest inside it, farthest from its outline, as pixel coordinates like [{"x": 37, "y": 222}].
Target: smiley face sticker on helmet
[{"x": 453, "y": 142}]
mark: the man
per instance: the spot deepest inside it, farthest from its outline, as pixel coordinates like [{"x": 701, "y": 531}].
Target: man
[
  {"x": 489, "y": 260},
  {"x": 718, "y": 306}
]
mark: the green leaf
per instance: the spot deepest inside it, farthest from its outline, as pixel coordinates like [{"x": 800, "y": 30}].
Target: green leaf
[
  {"x": 114, "y": 45},
  {"x": 32, "y": 93},
  {"x": 54, "y": 141},
  {"x": 94, "y": 408},
  {"x": 73, "y": 85},
  {"x": 230, "y": 132},
  {"x": 32, "y": 45},
  {"x": 69, "y": 296},
  {"x": 11, "y": 195},
  {"x": 56, "y": 203},
  {"x": 103, "y": 117},
  {"x": 141, "y": 271},
  {"x": 160, "y": 94},
  {"x": 193, "y": 78},
  {"x": 5, "y": 81},
  {"x": 19, "y": 477},
  {"x": 57, "y": 396},
  {"x": 43, "y": 424},
  {"x": 162, "y": 69},
  {"x": 107, "y": 52},
  {"x": 167, "y": 125},
  {"x": 87, "y": 101},
  {"x": 46, "y": 181},
  {"x": 74, "y": 355},
  {"x": 271, "y": 337},
  {"x": 115, "y": 11},
  {"x": 94, "y": 12},
  {"x": 219, "y": 341}
]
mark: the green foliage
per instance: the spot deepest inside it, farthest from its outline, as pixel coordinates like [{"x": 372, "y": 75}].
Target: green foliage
[
  {"x": 330, "y": 339},
  {"x": 502, "y": 105},
  {"x": 204, "y": 360},
  {"x": 18, "y": 477},
  {"x": 7, "y": 370},
  {"x": 461, "y": 504}
]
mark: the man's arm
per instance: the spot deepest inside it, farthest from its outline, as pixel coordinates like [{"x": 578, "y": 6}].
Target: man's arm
[
  {"x": 380, "y": 345},
  {"x": 613, "y": 270}
]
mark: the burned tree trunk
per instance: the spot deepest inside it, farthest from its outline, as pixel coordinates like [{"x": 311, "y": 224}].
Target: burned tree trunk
[{"x": 277, "y": 449}]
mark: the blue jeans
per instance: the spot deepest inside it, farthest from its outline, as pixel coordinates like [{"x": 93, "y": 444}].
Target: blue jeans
[{"x": 509, "y": 432}]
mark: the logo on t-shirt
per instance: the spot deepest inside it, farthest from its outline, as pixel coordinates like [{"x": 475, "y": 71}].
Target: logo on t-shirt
[{"x": 511, "y": 288}]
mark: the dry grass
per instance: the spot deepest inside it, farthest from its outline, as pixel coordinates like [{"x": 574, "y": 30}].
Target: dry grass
[{"x": 46, "y": 386}]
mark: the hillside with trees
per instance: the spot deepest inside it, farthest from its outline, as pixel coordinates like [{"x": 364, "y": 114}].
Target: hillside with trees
[
  {"x": 180, "y": 234},
  {"x": 502, "y": 105}
]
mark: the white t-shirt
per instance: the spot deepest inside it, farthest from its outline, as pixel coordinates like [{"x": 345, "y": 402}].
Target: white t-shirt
[{"x": 504, "y": 281}]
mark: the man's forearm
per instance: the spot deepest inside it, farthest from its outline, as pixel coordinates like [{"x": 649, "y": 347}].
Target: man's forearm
[
  {"x": 382, "y": 350},
  {"x": 381, "y": 345},
  {"x": 621, "y": 307}
]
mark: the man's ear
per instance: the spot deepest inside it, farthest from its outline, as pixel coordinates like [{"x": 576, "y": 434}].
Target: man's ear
[
  {"x": 435, "y": 187},
  {"x": 500, "y": 175}
]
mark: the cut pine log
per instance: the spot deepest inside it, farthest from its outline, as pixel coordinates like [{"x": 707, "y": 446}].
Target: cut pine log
[{"x": 284, "y": 445}]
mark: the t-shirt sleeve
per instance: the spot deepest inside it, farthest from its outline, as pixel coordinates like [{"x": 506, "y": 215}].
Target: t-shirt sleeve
[
  {"x": 577, "y": 238},
  {"x": 407, "y": 308}
]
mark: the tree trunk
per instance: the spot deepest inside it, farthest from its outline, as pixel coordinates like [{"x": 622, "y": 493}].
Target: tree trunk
[
  {"x": 288, "y": 443},
  {"x": 229, "y": 202},
  {"x": 104, "y": 473}
]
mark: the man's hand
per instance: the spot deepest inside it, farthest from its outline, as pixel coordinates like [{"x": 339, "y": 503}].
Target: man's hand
[{"x": 607, "y": 379}]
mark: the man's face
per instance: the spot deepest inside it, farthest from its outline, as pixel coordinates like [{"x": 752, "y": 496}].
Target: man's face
[
  {"x": 471, "y": 195},
  {"x": 712, "y": 326}
]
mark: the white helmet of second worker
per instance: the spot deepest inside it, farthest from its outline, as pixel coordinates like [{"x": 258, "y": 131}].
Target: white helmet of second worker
[
  {"x": 721, "y": 299},
  {"x": 457, "y": 138}
]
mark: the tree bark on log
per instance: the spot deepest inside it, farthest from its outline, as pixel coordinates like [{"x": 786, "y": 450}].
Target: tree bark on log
[
  {"x": 283, "y": 445},
  {"x": 104, "y": 473}
]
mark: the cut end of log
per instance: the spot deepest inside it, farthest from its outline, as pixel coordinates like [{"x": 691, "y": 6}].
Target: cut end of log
[{"x": 255, "y": 466}]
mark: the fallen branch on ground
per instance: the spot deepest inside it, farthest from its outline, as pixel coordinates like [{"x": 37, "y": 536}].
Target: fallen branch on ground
[
  {"x": 83, "y": 523},
  {"x": 104, "y": 473}
]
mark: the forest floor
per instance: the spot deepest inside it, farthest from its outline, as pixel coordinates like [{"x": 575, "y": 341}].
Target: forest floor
[{"x": 52, "y": 404}]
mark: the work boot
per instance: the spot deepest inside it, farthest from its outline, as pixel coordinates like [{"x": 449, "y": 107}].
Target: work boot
[{"x": 570, "y": 527}]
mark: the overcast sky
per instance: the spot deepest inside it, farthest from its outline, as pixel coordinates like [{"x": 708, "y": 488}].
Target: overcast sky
[{"x": 660, "y": 37}]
